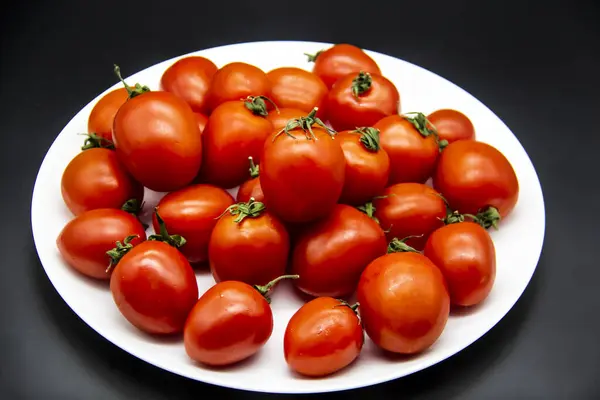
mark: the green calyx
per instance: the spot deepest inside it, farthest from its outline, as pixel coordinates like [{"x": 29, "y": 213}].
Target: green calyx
[
  {"x": 132, "y": 206},
  {"x": 119, "y": 251},
  {"x": 132, "y": 92},
  {"x": 313, "y": 57},
  {"x": 174, "y": 240},
  {"x": 306, "y": 124},
  {"x": 369, "y": 209},
  {"x": 264, "y": 290},
  {"x": 251, "y": 209},
  {"x": 258, "y": 106},
  {"x": 254, "y": 169},
  {"x": 361, "y": 84},
  {"x": 425, "y": 127},
  {"x": 400, "y": 246},
  {"x": 93, "y": 141},
  {"x": 369, "y": 138},
  {"x": 488, "y": 217}
]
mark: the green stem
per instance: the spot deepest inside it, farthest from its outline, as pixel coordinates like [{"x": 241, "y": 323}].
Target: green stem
[
  {"x": 257, "y": 105},
  {"x": 425, "y": 127},
  {"x": 174, "y": 240},
  {"x": 488, "y": 217},
  {"x": 313, "y": 57},
  {"x": 137, "y": 89},
  {"x": 361, "y": 84},
  {"x": 400, "y": 246},
  {"x": 250, "y": 209},
  {"x": 93, "y": 141},
  {"x": 369, "y": 138},
  {"x": 369, "y": 209},
  {"x": 254, "y": 169},
  {"x": 132, "y": 206},
  {"x": 266, "y": 289},
  {"x": 306, "y": 124},
  {"x": 119, "y": 251}
]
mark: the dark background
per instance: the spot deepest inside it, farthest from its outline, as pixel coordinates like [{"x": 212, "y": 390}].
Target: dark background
[{"x": 535, "y": 65}]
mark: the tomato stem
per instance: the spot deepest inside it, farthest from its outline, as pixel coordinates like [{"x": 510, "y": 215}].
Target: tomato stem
[
  {"x": 174, "y": 240},
  {"x": 306, "y": 124},
  {"x": 265, "y": 289},
  {"x": 369, "y": 138},
  {"x": 119, "y": 251},
  {"x": 361, "y": 84},
  {"x": 132, "y": 206},
  {"x": 400, "y": 246},
  {"x": 93, "y": 141},
  {"x": 137, "y": 89},
  {"x": 369, "y": 209},
  {"x": 254, "y": 169},
  {"x": 313, "y": 57},
  {"x": 425, "y": 127},
  {"x": 243, "y": 210},
  {"x": 488, "y": 217},
  {"x": 257, "y": 105}
]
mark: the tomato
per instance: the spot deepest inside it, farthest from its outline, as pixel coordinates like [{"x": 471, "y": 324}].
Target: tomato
[
  {"x": 367, "y": 165},
  {"x": 310, "y": 352},
  {"x": 333, "y": 252},
  {"x": 235, "y": 131},
  {"x": 340, "y": 60},
  {"x": 236, "y": 81},
  {"x": 452, "y": 125},
  {"x": 230, "y": 322},
  {"x": 202, "y": 121},
  {"x": 302, "y": 174},
  {"x": 296, "y": 88},
  {"x": 476, "y": 177},
  {"x": 361, "y": 99},
  {"x": 189, "y": 78},
  {"x": 192, "y": 212},
  {"x": 465, "y": 254},
  {"x": 404, "y": 303},
  {"x": 103, "y": 114},
  {"x": 411, "y": 146},
  {"x": 96, "y": 178},
  {"x": 280, "y": 118},
  {"x": 251, "y": 189},
  {"x": 85, "y": 240}
]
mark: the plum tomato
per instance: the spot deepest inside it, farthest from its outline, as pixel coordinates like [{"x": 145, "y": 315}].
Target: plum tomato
[
  {"x": 236, "y": 81},
  {"x": 281, "y": 118},
  {"x": 296, "y": 88},
  {"x": 452, "y": 125},
  {"x": 251, "y": 188},
  {"x": 102, "y": 116}
]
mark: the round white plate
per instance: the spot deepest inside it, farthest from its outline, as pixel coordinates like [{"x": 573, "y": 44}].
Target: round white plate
[{"x": 420, "y": 90}]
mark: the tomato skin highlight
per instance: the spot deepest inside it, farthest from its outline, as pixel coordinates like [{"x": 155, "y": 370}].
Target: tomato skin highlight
[
  {"x": 452, "y": 125},
  {"x": 281, "y": 118},
  {"x": 236, "y": 81},
  {"x": 310, "y": 353},
  {"x": 340, "y": 60},
  {"x": 103, "y": 114},
  {"x": 298, "y": 89},
  {"x": 95, "y": 178},
  {"x": 202, "y": 121}
]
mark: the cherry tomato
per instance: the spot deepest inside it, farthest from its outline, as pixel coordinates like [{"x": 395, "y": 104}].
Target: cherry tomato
[
  {"x": 465, "y": 254},
  {"x": 296, "y": 88},
  {"x": 310, "y": 352},
  {"x": 236, "y": 81},
  {"x": 85, "y": 241},
  {"x": 452, "y": 125},
  {"x": 96, "y": 178},
  {"x": 189, "y": 78},
  {"x": 202, "y": 121},
  {"x": 331, "y": 254},
  {"x": 103, "y": 114},
  {"x": 404, "y": 303},
  {"x": 280, "y": 118},
  {"x": 192, "y": 212},
  {"x": 251, "y": 189},
  {"x": 367, "y": 165},
  {"x": 361, "y": 99},
  {"x": 340, "y": 60}
]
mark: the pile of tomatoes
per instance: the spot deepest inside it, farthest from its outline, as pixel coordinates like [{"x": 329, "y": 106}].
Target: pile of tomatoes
[{"x": 334, "y": 195}]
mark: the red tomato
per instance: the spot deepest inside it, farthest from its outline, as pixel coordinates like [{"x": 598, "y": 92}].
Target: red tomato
[
  {"x": 202, "y": 121},
  {"x": 361, "y": 100},
  {"x": 103, "y": 114},
  {"x": 280, "y": 118},
  {"x": 296, "y": 88},
  {"x": 192, "y": 212},
  {"x": 412, "y": 148},
  {"x": 302, "y": 174},
  {"x": 95, "y": 178},
  {"x": 235, "y": 131},
  {"x": 85, "y": 241},
  {"x": 404, "y": 303},
  {"x": 333, "y": 252},
  {"x": 236, "y": 81},
  {"x": 410, "y": 209},
  {"x": 465, "y": 254},
  {"x": 367, "y": 165},
  {"x": 340, "y": 60},
  {"x": 251, "y": 189},
  {"x": 452, "y": 125},
  {"x": 474, "y": 176},
  {"x": 189, "y": 78},
  {"x": 308, "y": 351}
]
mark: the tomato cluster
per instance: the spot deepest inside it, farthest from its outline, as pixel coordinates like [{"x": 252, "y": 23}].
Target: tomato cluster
[{"x": 339, "y": 192}]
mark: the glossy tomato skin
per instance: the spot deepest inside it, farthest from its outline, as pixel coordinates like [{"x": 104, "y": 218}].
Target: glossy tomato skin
[
  {"x": 96, "y": 178},
  {"x": 192, "y": 212},
  {"x": 157, "y": 138},
  {"x": 345, "y": 111},
  {"x": 331, "y": 254},
  {"x": 452, "y": 125},
  {"x": 103, "y": 114},
  {"x": 281, "y": 118},
  {"x": 236, "y": 81},
  {"x": 202, "y": 121},
  {"x": 154, "y": 288},
  {"x": 465, "y": 254},
  {"x": 84, "y": 241},
  {"x": 230, "y": 322},
  {"x": 410, "y": 209},
  {"x": 308, "y": 352},
  {"x": 412, "y": 156},
  {"x": 233, "y": 133},
  {"x": 474, "y": 175},
  {"x": 340, "y": 60},
  {"x": 404, "y": 302},
  {"x": 296, "y": 88},
  {"x": 250, "y": 189},
  {"x": 367, "y": 171},
  {"x": 189, "y": 78}
]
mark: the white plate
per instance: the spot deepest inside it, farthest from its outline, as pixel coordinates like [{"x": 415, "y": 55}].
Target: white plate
[{"x": 420, "y": 90}]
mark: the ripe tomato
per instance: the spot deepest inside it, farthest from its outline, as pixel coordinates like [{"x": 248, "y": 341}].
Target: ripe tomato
[
  {"x": 452, "y": 125},
  {"x": 333, "y": 252},
  {"x": 96, "y": 178},
  {"x": 410, "y": 209},
  {"x": 283, "y": 116},
  {"x": 236, "y": 81},
  {"x": 465, "y": 254},
  {"x": 340, "y": 60},
  {"x": 302, "y": 173},
  {"x": 202, "y": 121},
  {"x": 296, "y": 88},
  {"x": 411, "y": 146},
  {"x": 361, "y": 100},
  {"x": 367, "y": 165},
  {"x": 404, "y": 303},
  {"x": 189, "y": 78},
  {"x": 85, "y": 243},
  {"x": 251, "y": 189},
  {"x": 230, "y": 322},
  {"x": 308, "y": 351},
  {"x": 103, "y": 114},
  {"x": 192, "y": 212},
  {"x": 235, "y": 131}
]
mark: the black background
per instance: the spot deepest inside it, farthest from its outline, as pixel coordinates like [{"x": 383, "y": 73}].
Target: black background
[{"x": 535, "y": 65}]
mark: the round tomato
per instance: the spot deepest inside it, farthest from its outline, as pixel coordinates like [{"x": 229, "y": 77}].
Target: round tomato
[
  {"x": 189, "y": 78},
  {"x": 333, "y": 252},
  {"x": 297, "y": 88},
  {"x": 251, "y": 189},
  {"x": 340, "y": 60},
  {"x": 404, "y": 303},
  {"x": 361, "y": 100},
  {"x": 202, "y": 121},
  {"x": 367, "y": 165},
  {"x": 100, "y": 121},
  {"x": 452, "y": 125},
  {"x": 308, "y": 351},
  {"x": 465, "y": 254},
  {"x": 280, "y": 118},
  {"x": 96, "y": 178},
  {"x": 236, "y": 81}
]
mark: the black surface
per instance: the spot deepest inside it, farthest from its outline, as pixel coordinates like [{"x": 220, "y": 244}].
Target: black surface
[{"x": 536, "y": 66}]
